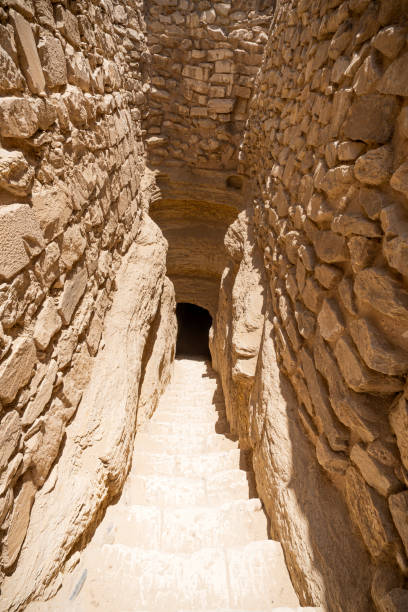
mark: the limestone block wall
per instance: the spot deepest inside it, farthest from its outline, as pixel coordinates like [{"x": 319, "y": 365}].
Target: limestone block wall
[
  {"x": 204, "y": 59},
  {"x": 326, "y": 146},
  {"x": 72, "y": 89}
]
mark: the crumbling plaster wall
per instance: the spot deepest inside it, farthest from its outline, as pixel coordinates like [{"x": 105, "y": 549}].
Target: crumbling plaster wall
[
  {"x": 311, "y": 335},
  {"x": 76, "y": 243}
]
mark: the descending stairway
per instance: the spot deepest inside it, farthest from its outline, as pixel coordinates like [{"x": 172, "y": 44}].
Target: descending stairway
[{"x": 188, "y": 532}]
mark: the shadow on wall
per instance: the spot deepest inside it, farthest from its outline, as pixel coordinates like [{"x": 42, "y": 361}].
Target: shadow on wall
[
  {"x": 194, "y": 325},
  {"x": 325, "y": 556}
]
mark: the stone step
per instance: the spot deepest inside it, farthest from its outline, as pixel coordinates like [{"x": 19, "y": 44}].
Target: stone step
[
  {"x": 174, "y": 444},
  {"x": 186, "y": 529},
  {"x": 230, "y": 485},
  {"x": 252, "y": 577},
  {"x": 182, "y": 429},
  {"x": 145, "y": 462},
  {"x": 231, "y": 524},
  {"x": 179, "y": 491},
  {"x": 190, "y": 414}
]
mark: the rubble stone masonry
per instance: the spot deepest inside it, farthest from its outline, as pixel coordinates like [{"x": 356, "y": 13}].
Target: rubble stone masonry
[{"x": 293, "y": 114}]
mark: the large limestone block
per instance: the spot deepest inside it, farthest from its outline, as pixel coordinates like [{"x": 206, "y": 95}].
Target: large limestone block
[
  {"x": 377, "y": 288},
  {"x": 358, "y": 376},
  {"x": 371, "y": 118},
  {"x": 376, "y": 351},
  {"x": 395, "y": 78},
  {"x": 47, "y": 324},
  {"x": 47, "y": 443},
  {"x": 399, "y": 423},
  {"x": 73, "y": 290},
  {"x": 43, "y": 395},
  {"x": 20, "y": 517},
  {"x": 380, "y": 477},
  {"x": 370, "y": 513},
  {"x": 53, "y": 207},
  {"x": 10, "y": 430},
  {"x": 67, "y": 24},
  {"x": 374, "y": 167},
  {"x": 399, "y": 179},
  {"x": 53, "y": 60},
  {"x": 399, "y": 510},
  {"x": 11, "y": 78},
  {"x": 19, "y": 117},
  {"x": 20, "y": 238},
  {"x": 73, "y": 245},
  {"x": 16, "y": 175},
  {"x": 29, "y": 60},
  {"x": 17, "y": 369}
]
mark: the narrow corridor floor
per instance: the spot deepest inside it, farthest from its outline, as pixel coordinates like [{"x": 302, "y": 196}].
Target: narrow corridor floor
[{"x": 188, "y": 532}]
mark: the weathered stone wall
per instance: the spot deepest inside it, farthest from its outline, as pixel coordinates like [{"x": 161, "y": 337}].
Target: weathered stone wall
[
  {"x": 72, "y": 86},
  {"x": 322, "y": 252},
  {"x": 204, "y": 57}
]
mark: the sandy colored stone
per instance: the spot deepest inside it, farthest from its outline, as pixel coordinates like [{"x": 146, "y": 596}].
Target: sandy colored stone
[
  {"x": 10, "y": 431},
  {"x": 390, "y": 40},
  {"x": 21, "y": 238},
  {"x": 73, "y": 245},
  {"x": 47, "y": 324},
  {"x": 18, "y": 522},
  {"x": 11, "y": 78},
  {"x": 357, "y": 376},
  {"x": 399, "y": 423},
  {"x": 16, "y": 175},
  {"x": 375, "y": 167},
  {"x": 52, "y": 59},
  {"x": 399, "y": 179},
  {"x": 29, "y": 60},
  {"x": 43, "y": 395},
  {"x": 399, "y": 506},
  {"x": 73, "y": 290},
  {"x": 386, "y": 295},
  {"x": 52, "y": 207},
  {"x": 330, "y": 321},
  {"x": 17, "y": 369},
  {"x": 377, "y": 475},
  {"x": 370, "y": 514},
  {"x": 376, "y": 351},
  {"x": 395, "y": 79},
  {"x": 19, "y": 117}
]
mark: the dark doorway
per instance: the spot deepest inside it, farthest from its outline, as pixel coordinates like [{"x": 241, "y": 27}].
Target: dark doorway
[{"x": 194, "y": 324}]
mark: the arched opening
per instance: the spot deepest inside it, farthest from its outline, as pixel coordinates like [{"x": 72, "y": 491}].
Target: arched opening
[{"x": 194, "y": 325}]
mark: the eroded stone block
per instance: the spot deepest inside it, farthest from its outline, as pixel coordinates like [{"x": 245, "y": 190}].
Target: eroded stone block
[
  {"x": 20, "y": 517},
  {"x": 399, "y": 510},
  {"x": 16, "y": 175},
  {"x": 369, "y": 512},
  {"x": 73, "y": 290},
  {"x": 52, "y": 60},
  {"x": 47, "y": 324},
  {"x": 29, "y": 60},
  {"x": 20, "y": 238},
  {"x": 10, "y": 431},
  {"x": 19, "y": 117},
  {"x": 17, "y": 369}
]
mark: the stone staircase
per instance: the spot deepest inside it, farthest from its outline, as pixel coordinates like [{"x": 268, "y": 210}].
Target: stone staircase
[{"x": 188, "y": 532}]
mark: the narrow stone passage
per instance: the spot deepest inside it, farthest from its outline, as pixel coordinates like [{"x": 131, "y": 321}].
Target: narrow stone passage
[{"x": 188, "y": 532}]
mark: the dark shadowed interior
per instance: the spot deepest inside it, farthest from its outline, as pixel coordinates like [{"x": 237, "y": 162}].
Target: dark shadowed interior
[{"x": 194, "y": 324}]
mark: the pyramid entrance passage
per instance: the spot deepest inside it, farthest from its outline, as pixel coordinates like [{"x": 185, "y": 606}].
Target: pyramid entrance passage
[
  {"x": 194, "y": 325},
  {"x": 188, "y": 532}
]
